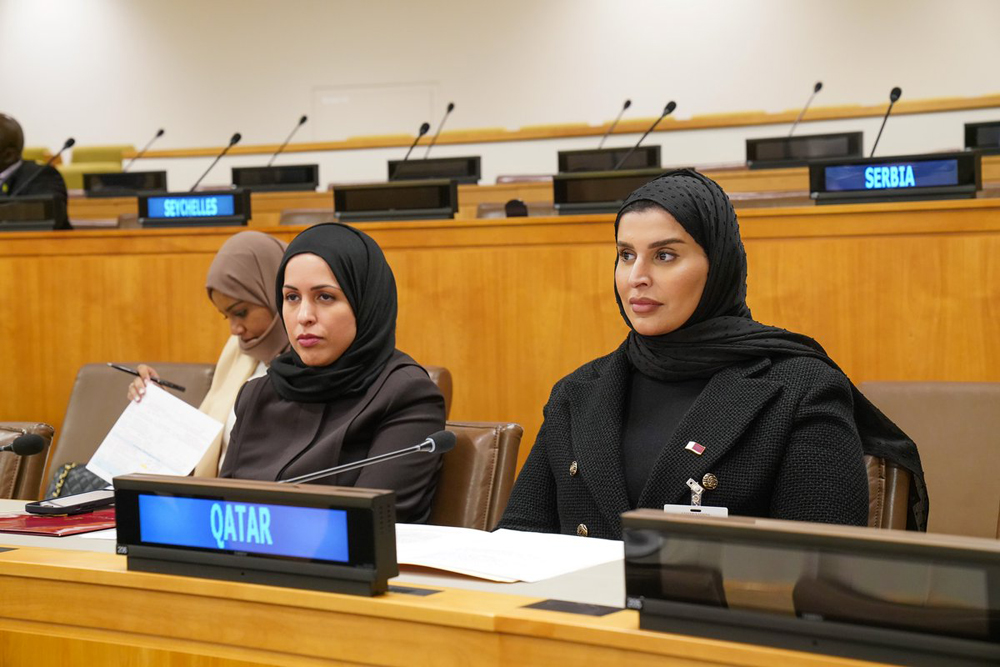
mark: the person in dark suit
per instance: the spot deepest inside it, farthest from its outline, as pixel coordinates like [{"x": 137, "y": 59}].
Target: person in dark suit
[
  {"x": 700, "y": 397},
  {"x": 23, "y": 177},
  {"x": 343, "y": 392}
]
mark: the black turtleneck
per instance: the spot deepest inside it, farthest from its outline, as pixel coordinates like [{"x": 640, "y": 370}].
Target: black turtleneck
[{"x": 653, "y": 410}]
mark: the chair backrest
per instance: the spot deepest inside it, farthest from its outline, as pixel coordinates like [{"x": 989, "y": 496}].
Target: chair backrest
[
  {"x": 20, "y": 476},
  {"x": 888, "y": 494},
  {"x": 108, "y": 153},
  {"x": 306, "y": 216},
  {"x": 477, "y": 476},
  {"x": 99, "y": 395},
  {"x": 441, "y": 376},
  {"x": 956, "y": 426}
]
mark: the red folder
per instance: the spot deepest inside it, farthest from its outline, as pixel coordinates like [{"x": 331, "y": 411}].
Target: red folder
[{"x": 57, "y": 525}]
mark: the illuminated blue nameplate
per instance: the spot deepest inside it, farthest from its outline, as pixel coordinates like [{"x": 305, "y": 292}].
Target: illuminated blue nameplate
[
  {"x": 280, "y": 530},
  {"x": 943, "y": 176},
  {"x": 298, "y": 535},
  {"x": 231, "y": 207},
  {"x": 932, "y": 173}
]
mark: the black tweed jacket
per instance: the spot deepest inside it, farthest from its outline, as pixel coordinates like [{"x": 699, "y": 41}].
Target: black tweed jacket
[{"x": 778, "y": 435}]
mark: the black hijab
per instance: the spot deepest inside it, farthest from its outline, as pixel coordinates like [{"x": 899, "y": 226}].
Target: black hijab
[
  {"x": 721, "y": 331},
  {"x": 368, "y": 284}
]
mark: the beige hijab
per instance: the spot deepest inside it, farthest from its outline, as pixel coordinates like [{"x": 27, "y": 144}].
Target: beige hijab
[{"x": 245, "y": 268}]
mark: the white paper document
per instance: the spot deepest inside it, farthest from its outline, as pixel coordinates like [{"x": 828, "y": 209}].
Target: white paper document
[
  {"x": 162, "y": 435},
  {"x": 503, "y": 556}
]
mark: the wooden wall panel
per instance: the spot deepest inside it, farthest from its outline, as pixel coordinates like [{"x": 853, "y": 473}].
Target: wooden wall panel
[{"x": 893, "y": 291}]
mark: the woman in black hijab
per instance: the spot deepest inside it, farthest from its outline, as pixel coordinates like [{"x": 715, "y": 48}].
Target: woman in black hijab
[
  {"x": 343, "y": 392},
  {"x": 758, "y": 417}
]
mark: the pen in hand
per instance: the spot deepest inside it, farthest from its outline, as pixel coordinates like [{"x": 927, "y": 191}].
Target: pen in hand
[{"x": 131, "y": 371}]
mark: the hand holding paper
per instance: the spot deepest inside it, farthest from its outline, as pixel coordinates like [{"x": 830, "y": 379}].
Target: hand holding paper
[{"x": 161, "y": 435}]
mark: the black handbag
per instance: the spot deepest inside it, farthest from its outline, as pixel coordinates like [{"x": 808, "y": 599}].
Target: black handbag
[{"x": 73, "y": 478}]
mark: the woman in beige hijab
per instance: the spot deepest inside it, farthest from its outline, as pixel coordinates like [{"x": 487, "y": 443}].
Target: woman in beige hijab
[{"x": 240, "y": 284}]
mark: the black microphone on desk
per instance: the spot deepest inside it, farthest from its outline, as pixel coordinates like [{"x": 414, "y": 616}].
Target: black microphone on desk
[
  {"x": 423, "y": 130},
  {"x": 667, "y": 110},
  {"x": 894, "y": 95},
  {"x": 235, "y": 139},
  {"x": 159, "y": 133},
  {"x": 25, "y": 445},
  {"x": 69, "y": 144},
  {"x": 625, "y": 106},
  {"x": 440, "y": 442},
  {"x": 451, "y": 107},
  {"x": 818, "y": 87},
  {"x": 302, "y": 121}
]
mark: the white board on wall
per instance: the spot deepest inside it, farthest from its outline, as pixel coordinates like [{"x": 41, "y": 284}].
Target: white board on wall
[{"x": 341, "y": 112}]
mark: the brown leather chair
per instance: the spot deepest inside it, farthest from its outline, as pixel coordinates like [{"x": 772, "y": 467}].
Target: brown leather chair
[
  {"x": 20, "y": 476},
  {"x": 441, "y": 376},
  {"x": 99, "y": 395},
  {"x": 888, "y": 493},
  {"x": 306, "y": 216},
  {"x": 956, "y": 426},
  {"x": 477, "y": 475}
]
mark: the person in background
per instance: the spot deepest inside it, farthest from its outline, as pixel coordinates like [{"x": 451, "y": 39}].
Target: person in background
[
  {"x": 15, "y": 173},
  {"x": 343, "y": 393},
  {"x": 240, "y": 285},
  {"x": 700, "y": 399}
]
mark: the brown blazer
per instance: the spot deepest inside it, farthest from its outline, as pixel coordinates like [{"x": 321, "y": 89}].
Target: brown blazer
[{"x": 277, "y": 439}]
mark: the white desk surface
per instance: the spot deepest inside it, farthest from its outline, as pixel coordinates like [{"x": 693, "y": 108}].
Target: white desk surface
[{"x": 603, "y": 584}]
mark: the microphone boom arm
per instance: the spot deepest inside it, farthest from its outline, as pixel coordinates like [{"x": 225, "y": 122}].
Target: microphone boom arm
[{"x": 427, "y": 445}]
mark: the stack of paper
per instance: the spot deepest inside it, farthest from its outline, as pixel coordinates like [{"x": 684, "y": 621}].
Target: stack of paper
[{"x": 504, "y": 555}]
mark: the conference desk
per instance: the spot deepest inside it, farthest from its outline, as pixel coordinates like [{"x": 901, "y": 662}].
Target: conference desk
[
  {"x": 267, "y": 207},
  {"x": 71, "y": 601}
]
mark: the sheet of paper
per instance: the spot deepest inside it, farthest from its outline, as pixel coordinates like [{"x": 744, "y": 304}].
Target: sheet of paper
[
  {"x": 109, "y": 534},
  {"x": 504, "y": 555},
  {"x": 161, "y": 435}
]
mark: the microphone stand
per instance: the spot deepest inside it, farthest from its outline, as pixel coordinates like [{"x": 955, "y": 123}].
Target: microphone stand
[
  {"x": 666, "y": 111},
  {"x": 143, "y": 151},
  {"x": 427, "y": 445},
  {"x": 625, "y": 106},
  {"x": 302, "y": 121}
]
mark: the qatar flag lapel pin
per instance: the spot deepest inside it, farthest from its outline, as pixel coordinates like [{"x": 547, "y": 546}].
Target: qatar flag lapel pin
[{"x": 693, "y": 446}]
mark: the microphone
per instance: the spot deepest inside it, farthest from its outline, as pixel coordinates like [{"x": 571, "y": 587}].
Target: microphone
[
  {"x": 159, "y": 133},
  {"x": 441, "y": 442},
  {"x": 302, "y": 121},
  {"x": 423, "y": 130},
  {"x": 451, "y": 107},
  {"x": 233, "y": 140},
  {"x": 818, "y": 87},
  {"x": 627, "y": 104},
  {"x": 69, "y": 144},
  {"x": 894, "y": 95},
  {"x": 25, "y": 445},
  {"x": 667, "y": 110}
]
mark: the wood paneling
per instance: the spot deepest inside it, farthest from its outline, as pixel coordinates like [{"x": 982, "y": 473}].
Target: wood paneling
[
  {"x": 628, "y": 126},
  {"x": 907, "y": 291},
  {"x": 70, "y": 608}
]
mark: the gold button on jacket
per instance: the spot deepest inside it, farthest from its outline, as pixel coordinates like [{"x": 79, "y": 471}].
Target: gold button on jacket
[
  {"x": 581, "y": 530},
  {"x": 710, "y": 481}
]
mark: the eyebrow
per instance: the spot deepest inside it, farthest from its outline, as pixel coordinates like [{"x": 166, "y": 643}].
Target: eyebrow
[
  {"x": 233, "y": 305},
  {"x": 654, "y": 244},
  {"x": 314, "y": 287}
]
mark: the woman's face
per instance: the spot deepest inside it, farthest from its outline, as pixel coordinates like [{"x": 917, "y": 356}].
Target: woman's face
[
  {"x": 318, "y": 318},
  {"x": 661, "y": 271},
  {"x": 246, "y": 320}
]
